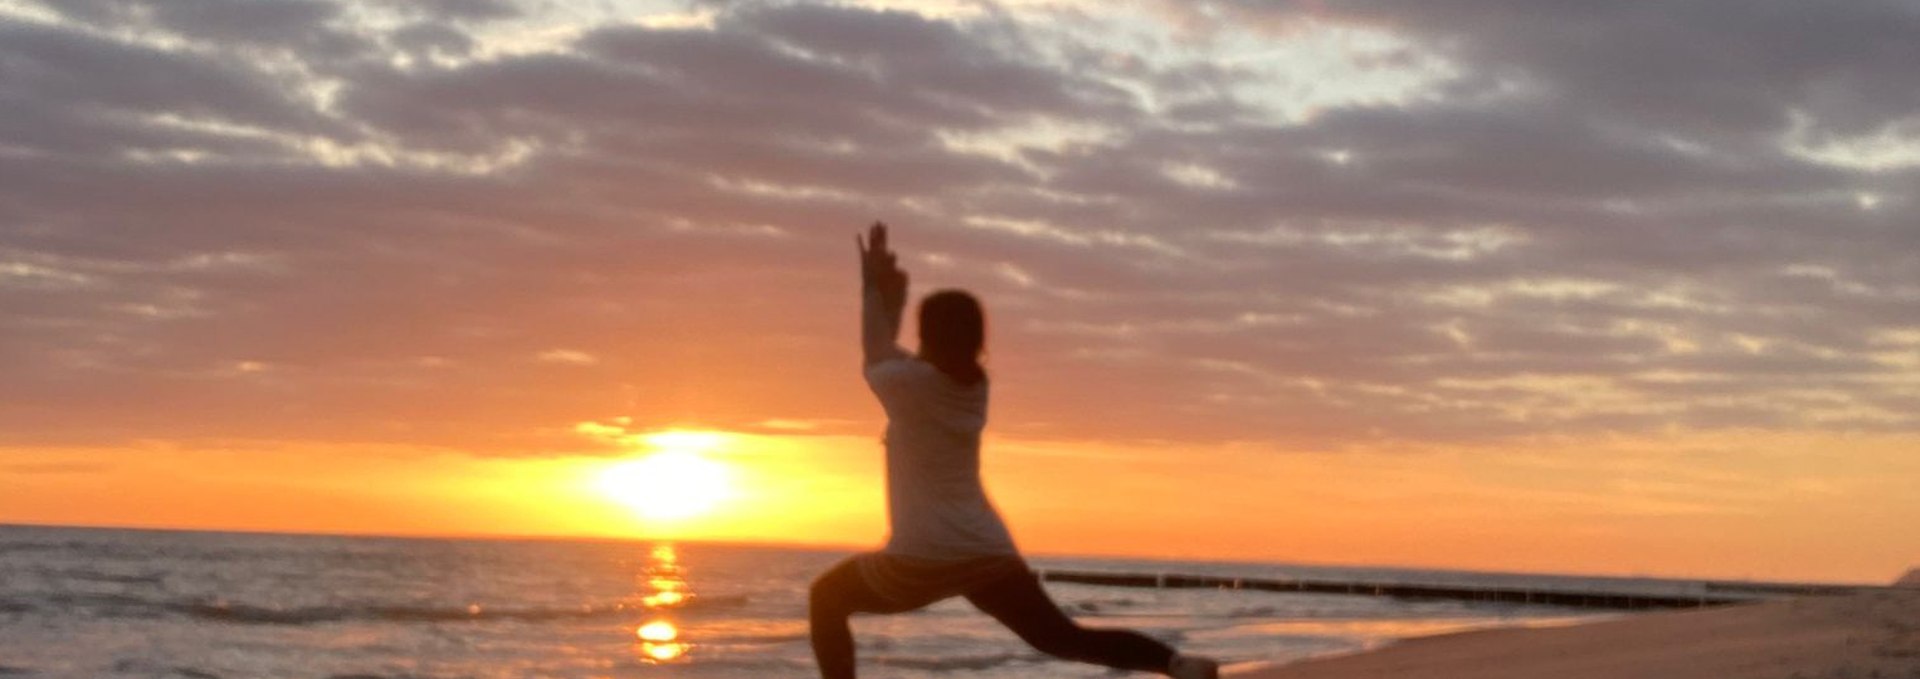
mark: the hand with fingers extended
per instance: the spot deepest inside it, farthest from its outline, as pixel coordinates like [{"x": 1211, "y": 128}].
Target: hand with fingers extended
[{"x": 880, "y": 271}]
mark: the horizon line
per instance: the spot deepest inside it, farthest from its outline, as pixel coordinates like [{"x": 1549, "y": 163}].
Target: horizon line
[{"x": 827, "y": 546}]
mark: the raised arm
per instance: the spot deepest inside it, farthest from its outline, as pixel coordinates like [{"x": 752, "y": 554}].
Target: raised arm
[{"x": 883, "y": 297}]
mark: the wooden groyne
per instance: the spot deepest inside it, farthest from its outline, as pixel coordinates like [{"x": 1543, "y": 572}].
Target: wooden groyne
[{"x": 1712, "y": 594}]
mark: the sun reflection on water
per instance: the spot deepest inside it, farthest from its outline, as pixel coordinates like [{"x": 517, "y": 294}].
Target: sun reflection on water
[
  {"x": 663, "y": 599},
  {"x": 663, "y": 652},
  {"x": 658, "y": 630},
  {"x": 663, "y": 587}
]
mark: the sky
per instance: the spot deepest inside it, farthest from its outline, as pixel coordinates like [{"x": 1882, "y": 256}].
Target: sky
[{"x": 1622, "y": 287}]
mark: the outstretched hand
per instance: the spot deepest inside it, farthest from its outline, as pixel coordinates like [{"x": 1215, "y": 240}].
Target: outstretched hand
[{"x": 880, "y": 267}]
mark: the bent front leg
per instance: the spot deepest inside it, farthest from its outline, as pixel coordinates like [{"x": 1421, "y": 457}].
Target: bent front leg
[{"x": 835, "y": 596}]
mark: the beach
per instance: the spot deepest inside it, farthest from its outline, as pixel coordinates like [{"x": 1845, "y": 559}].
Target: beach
[{"x": 1863, "y": 636}]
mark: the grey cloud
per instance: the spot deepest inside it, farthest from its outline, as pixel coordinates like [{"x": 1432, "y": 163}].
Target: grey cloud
[
  {"x": 306, "y": 25},
  {"x": 734, "y": 80},
  {"x": 456, "y": 10},
  {"x": 432, "y": 38},
  {"x": 96, "y": 77},
  {"x": 1720, "y": 68},
  {"x": 988, "y": 71},
  {"x": 678, "y": 203}
]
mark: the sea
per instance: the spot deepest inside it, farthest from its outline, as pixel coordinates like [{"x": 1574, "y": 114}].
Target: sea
[{"x": 88, "y": 602}]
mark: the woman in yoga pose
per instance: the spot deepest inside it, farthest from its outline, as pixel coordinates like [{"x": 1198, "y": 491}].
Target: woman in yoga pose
[{"x": 946, "y": 538}]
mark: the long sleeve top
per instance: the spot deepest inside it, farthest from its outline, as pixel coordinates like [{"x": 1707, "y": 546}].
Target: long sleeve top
[{"x": 936, "y": 506}]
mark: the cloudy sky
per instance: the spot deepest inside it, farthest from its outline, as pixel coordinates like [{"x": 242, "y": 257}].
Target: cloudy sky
[{"x": 1644, "y": 273}]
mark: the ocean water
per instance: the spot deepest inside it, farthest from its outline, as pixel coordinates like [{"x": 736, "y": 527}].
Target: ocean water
[{"x": 123, "y": 603}]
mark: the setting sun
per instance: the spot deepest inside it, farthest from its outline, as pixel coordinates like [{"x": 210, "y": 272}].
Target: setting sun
[{"x": 667, "y": 485}]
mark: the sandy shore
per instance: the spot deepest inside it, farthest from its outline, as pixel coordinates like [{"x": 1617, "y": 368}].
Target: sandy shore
[{"x": 1867, "y": 636}]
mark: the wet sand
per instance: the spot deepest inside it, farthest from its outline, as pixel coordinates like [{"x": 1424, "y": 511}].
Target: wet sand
[{"x": 1873, "y": 635}]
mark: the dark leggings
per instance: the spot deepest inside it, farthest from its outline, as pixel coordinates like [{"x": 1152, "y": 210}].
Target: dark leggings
[{"x": 1015, "y": 600}]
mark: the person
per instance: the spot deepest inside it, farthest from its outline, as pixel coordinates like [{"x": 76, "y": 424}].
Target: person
[{"x": 946, "y": 538}]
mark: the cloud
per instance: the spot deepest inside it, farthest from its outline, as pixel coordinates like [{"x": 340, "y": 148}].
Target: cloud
[
  {"x": 567, "y": 357},
  {"x": 1239, "y": 221},
  {"x": 55, "y": 468}
]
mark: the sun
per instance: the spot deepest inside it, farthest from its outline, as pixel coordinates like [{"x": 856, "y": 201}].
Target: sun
[{"x": 667, "y": 485}]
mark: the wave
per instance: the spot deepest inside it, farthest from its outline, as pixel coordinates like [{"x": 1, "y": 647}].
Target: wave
[
  {"x": 125, "y": 606},
  {"x": 115, "y": 578},
  {"x": 1099, "y": 605},
  {"x": 149, "y": 667},
  {"x": 306, "y": 615},
  {"x": 104, "y": 605},
  {"x": 972, "y": 663},
  {"x": 89, "y": 575},
  {"x": 753, "y": 638},
  {"x": 730, "y": 666},
  {"x": 78, "y": 547},
  {"x": 1253, "y": 612}
]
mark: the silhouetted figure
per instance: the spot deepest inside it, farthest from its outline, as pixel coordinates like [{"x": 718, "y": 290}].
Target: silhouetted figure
[{"x": 946, "y": 539}]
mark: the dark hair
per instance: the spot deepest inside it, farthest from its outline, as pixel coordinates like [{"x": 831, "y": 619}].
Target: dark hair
[{"x": 953, "y": 332}]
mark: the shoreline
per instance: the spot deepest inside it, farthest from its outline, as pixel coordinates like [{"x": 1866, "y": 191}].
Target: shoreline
[
  {"x": 1874, "y": 634},
  {"x": 1255, "y": 668}
]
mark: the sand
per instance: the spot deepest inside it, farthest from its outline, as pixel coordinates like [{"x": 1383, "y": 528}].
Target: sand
[{"x": 1873, "y": 635}]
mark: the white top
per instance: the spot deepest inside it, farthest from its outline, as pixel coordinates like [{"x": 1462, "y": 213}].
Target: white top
[{"x": 936, "y": 506}]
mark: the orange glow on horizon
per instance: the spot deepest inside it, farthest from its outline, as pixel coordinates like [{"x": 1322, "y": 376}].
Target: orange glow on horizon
[{"x": 1727, "y": 505}]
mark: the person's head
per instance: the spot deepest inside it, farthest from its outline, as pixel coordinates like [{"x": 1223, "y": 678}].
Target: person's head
[{"x": 953, "y": 333}]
